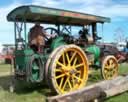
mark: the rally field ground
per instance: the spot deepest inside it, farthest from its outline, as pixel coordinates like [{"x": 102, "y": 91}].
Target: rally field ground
[{"x": 38, "y": 93}]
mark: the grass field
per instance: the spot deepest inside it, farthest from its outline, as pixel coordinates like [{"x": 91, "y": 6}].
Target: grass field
[{"x": 38, "y": 93}]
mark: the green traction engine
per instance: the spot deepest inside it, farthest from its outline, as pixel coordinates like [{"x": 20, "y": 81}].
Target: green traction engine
[{"x": 66, "y": 60}]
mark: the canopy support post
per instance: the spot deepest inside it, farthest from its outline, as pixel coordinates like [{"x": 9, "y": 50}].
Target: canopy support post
[
  {"x": 94, "y": 31},
  {"x": 25, "y": 35},
  {"x": 102, "y": 32},
  {"x": 58, "y": 28},
  {"x": 15, "y": 36}
]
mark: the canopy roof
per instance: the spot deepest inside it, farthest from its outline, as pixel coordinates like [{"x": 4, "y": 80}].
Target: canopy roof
[{"x": 32, "y": 13}]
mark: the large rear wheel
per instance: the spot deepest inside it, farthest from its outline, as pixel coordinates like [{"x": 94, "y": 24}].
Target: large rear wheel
[{"x": 68, "y": 69}]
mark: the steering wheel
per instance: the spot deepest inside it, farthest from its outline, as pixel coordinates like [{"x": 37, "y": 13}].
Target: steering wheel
[{"x": 51, "y": 31}]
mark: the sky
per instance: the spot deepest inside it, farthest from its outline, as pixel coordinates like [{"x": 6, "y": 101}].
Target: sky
[{"x": 117, "y": 10}]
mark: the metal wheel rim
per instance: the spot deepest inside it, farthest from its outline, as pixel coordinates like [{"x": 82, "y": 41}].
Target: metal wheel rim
[
  {"x": 70, "y": 69},
  {"x": 109, "y": 68}
]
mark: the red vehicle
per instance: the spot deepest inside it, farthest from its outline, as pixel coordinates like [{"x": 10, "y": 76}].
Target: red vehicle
[{"x": 7, "y": 53}]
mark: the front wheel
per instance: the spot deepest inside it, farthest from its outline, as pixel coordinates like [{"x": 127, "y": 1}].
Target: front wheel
[{"x": 109, "y": 68}]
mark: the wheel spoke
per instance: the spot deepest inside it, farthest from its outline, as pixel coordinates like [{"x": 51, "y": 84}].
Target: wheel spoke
[
  {"x": 63, "y": 59},
  {"x": 107, "y": 66},
  {"x": 78, "y": 78},
  {"x": 78, "y": 72},
  {"x": 73, "y": 82},
  {"x": 58, "y": 70},
  {"x": 61, "y": 64},
  {"x": 111, "y": 74},
  {"x": 106, "y": 69},
  {"x": 67, "y": 58},
  {"x": 69, "y": 84},
  {"x": 108, "y": 74},
  {"x": 65, "y": 83},
  {"x": 59, "y": 76},
  {"x": 111, "y": 62},
  {"x": 74, "y": 63},
  {"x": 61, "y": 82},
  {"x": 114, "y": 65},
  {"x": 79, "y": 65},
  {"x": 73, "y": 56}
]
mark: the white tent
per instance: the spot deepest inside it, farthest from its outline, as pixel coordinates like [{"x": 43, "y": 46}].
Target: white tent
[
  {"x": 1, "y": 48},
  {"x": 121, "y": 45}
]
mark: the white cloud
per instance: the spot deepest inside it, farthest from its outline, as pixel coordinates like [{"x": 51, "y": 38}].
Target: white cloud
[
  {"x": 6, "y": 9},
  {"x": 106, "y": 8},
  {"x": 49, "y": 3},
  {"x": 98, "y": 7},
  {"x": 117, "y": 10},
  {"x": 6, "y": 28}
]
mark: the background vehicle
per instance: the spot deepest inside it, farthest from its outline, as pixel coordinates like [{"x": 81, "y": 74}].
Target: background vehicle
[
  {"x": 65, "y": 61},
  {"x": 123, "y": 51}
]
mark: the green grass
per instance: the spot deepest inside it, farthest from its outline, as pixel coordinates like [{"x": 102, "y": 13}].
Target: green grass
[
  {"x": 124, "y": 96},
  {"x": 123, "y": 68},
  {"x": 4, "y": 68},
  {"x": 119, "y": 98},
  {"x": 24, "y": 93},
  {"x": 38, "y": 93}
]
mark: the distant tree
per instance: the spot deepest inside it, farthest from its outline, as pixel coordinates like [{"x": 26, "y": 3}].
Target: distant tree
[{"x": 119, "y": 35}]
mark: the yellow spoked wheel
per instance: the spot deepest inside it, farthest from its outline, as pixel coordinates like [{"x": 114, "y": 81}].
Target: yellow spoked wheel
[
  {"x": 50, "y": 58},
  {"x": 109, "y": 68},
  {"x": 68, "y": 69}
]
